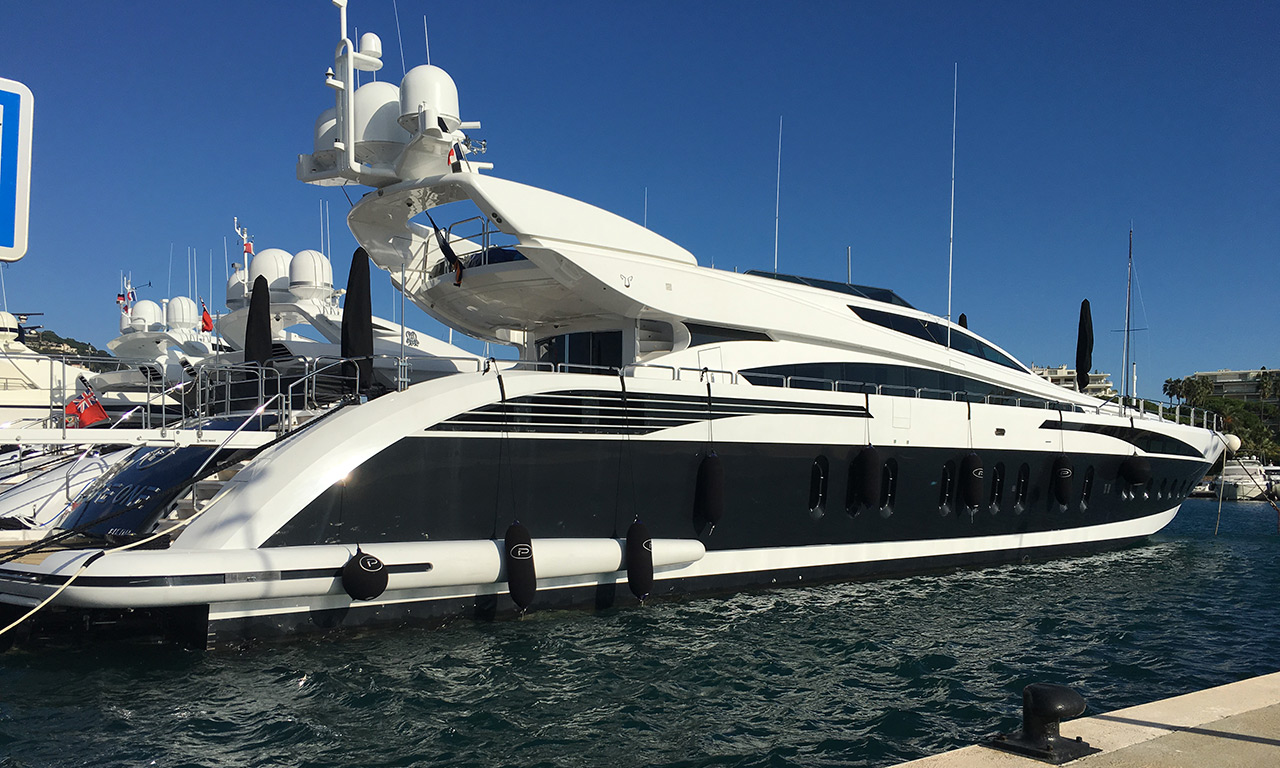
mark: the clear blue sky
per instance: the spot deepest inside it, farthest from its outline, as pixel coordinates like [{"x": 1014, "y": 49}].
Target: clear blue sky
[{"x": 158, "y": 122}]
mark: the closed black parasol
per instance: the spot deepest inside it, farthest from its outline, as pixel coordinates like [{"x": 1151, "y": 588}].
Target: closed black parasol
[
  {"x": 1084, "y": 347},
  {"x": 357, "y": 321},
  {"x": 257, "y": 332}
]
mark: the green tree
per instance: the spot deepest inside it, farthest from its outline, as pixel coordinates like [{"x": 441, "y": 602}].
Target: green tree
[
  {"x": 1197, "y": 390},
  {"x": 1268, "y": 384},
  {"x": 1174, "y": 388}
]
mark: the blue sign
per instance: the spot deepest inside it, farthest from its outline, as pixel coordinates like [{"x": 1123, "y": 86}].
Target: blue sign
[{"x": 16, "y": 105}]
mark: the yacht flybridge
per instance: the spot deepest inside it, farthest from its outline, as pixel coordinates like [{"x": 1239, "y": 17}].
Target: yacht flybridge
[{"x": 668, "y": 429}]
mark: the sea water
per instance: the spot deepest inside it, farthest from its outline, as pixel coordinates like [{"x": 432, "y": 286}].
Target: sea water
[{"x": 862, "y": 674}]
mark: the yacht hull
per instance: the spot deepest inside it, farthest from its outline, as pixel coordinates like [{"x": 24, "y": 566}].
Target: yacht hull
[{"x": 429, "y": 480}]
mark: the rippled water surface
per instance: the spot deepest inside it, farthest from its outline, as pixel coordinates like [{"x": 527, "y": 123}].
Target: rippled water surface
[{"x": 847, "y": 674}]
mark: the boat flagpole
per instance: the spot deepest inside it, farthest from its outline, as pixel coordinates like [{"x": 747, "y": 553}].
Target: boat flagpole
[{"x": 951, "y": 236}]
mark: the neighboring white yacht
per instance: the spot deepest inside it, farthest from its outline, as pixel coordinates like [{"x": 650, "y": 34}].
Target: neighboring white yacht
[
  {"x": 671, "y": 429},
  {"x": 1243, "y": 478},
  {"x": 35, "y": 387}
]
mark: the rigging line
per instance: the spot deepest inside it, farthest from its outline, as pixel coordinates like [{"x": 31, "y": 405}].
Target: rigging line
[
  {"x": 1255, "y": 482},
  {"x": 1220, "y": 484}
]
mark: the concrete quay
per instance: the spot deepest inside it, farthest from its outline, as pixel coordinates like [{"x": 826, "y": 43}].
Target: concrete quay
[{"x": 1231, "y": 726}]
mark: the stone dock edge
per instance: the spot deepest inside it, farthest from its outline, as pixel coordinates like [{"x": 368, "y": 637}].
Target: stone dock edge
[{"x": 1232, "y": 726}]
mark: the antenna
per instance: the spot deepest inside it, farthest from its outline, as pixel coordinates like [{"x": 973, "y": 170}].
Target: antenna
[
  {"x": 646, "y": 207},
  {"x": 951, "y": 238},
  {"x": 848, "y": 257},
  {"x": 403, "y": 67},
  {"x": 426, "y": 38},
  {"x": 777, "y": 198},
  {"x": 1128, "y": 302},
  {"x": 169, "y": 290}
]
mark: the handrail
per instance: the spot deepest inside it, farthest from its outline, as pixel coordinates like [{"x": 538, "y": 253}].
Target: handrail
[{"x": 257, "y": 413}]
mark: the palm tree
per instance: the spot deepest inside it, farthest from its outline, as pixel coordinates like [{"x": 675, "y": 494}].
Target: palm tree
[{"x": 1174, "y": 388}]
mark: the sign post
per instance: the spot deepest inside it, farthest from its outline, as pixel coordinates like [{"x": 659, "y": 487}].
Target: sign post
[{"x": 16, "y": 106}]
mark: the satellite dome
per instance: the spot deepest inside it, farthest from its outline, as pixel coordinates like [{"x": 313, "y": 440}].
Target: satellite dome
[
  {"x": 8, "y": 328},
  {"x": 147, "y": 316},
  {"x": 237, "y": 289},
  {"x": 310, "y": 275},
  {"x": 428, "y": 86},
  {"x": 378, "y": 136},
  {"x": 326, "y": 130},
  {"x": 182, "y": 314},
  {"x": 126, "y": 323},
  {"x": 273, "y": 264}
]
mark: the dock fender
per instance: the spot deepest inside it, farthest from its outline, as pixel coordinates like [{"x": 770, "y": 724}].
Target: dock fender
[
  {"x": 866, "y": 473},
  {"x": 1135, "y": 470},
  {"x": 522, "y": 579},
  {"x": 708, "y": 493},
  {"x": 364, "y": 577},
  {"x": 971, "y": 476},
  {"x": 639, "y": 560},
  {"x": 1061, "y": 479}
]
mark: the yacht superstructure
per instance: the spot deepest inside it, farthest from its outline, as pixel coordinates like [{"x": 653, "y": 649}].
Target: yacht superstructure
[{"x": 669, "y": 428}]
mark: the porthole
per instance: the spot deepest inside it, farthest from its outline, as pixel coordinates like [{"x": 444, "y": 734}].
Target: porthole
[
  {"x": 947, "y": 489},
  {"x": 1164, "y": 489},
  {"x": 888, "y": 487},
  {"x": 997, "y": 488},
  {"x": 818, "y": 487}
]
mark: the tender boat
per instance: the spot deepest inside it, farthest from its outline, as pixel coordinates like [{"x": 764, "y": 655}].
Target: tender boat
[{"x": 669, "y": 429}]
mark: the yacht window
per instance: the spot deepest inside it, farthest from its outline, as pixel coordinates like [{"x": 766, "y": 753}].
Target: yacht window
[
  {"x": 997, "y": 488},
  {"x": 936, "y": 333},
  {"x": 888, "y": 487},
  {"x": 714, "y": 334},
  {"x": 863, "y": 291},
  {"x": 947, "y": 491},
  {"x": 818, "y": 487},
  {"x": 587, "y": 352},
  {"x": 857, "y": 377},
  {"x": 1087, "y": 490},
  {"x": 1020, "y": 490}
]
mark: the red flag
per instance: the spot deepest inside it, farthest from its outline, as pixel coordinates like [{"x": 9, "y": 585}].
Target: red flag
[
  {"x": 206, "y": 321},
  {"x": 85, "y": 410}
]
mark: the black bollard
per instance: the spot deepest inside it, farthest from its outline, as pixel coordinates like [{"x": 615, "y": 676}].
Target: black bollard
[{"x": 1044, "y": 707}]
